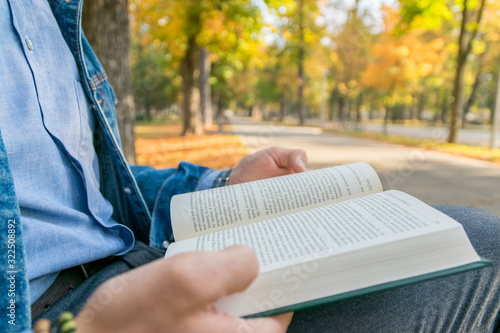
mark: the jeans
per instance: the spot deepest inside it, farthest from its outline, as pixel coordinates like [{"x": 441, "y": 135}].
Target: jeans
[
  {"x": 466, "y": 302},
  {"x": 75, "y": 300}
]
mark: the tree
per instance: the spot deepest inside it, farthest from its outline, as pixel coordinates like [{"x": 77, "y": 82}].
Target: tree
[
  {"x": 429, "y": 13},
  {"x": 298, "y": 37},
  {"x": 475, "y": 88},
  {"x": 205, "y": 91},
  {"x": 155, "y": 87},
  {"x": 188, "y": 28},
  {"x": 106, "y": 25},
  {"x": 491, "y": 61},
  {"x": 467, "y": 35},
  {"x": 403, "y": 62},
  {"x": 495, "y": 117},
  {"x": 353, "y": 48},
  {"x": 190, "y": 73},
  {"x": 300, "y": 60}
]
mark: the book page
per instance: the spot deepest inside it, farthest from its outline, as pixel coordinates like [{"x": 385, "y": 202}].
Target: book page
[
  {"x": 328, "y": 230},
  {"x": 200, "y": 213}
]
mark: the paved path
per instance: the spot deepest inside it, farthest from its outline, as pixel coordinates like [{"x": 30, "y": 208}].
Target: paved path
[
  {"x": 435, "y": 178},
  {"x": 473, "y": 137}
]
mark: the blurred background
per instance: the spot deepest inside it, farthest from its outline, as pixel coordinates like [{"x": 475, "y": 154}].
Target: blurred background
[{"x": 211, "y": 80}]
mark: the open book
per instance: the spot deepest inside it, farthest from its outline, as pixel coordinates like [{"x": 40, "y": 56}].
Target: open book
[{"x": 321, "y": 236}]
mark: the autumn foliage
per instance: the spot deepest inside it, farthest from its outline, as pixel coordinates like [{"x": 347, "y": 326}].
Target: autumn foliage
[
  {"x": 160, "y": 146},
  {"x": 301, "y": 59}
]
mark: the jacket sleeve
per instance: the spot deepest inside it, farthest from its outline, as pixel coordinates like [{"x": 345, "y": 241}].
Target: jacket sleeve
[
  {"x": 159, "y": 186},
  {"x": 15, "y": 309}
]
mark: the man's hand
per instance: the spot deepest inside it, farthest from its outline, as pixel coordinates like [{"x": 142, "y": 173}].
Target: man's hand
[
  {"x": 177, "y": 295},
  {"x": 267, "y": 163}
]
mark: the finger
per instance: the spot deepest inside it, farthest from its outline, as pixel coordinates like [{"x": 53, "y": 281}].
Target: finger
[
  {"x": 294, "y": 159},
  {"x": 222, "y": 323},
  {"x": 274, "y": 324},
  {"x": 202, "y": 278},
  {"x": 297, "y": 160}
]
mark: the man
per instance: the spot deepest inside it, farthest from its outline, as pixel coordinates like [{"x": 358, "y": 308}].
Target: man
[
  {"x": 86, "y": 214},
  {"x": 63, "y": 152}
]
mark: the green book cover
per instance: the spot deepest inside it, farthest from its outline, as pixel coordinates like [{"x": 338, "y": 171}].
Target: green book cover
[{"x": 389, "y": 285}]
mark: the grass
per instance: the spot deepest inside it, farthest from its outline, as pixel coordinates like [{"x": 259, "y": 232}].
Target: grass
[
  {"x": 160, "y": 145},
  {"x": 479, "y": 153}
]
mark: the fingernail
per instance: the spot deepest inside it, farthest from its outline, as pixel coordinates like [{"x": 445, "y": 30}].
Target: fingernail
[{"x": 301, "y": 163}]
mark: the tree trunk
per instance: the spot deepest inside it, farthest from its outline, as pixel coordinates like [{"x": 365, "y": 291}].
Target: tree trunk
[
  {"x": 282, "y": 105},
  {"x": 373, "y": 104},
  {"x": 413, "y": 109},
  {"x": 471, "y": 99},
  {"x": 331, "y": 103},
  {"x": 421, "y": 105},
  {"x": 495, "y": 117},
  {"x": 348, "y": 108},
  {"x": 464, "y": 49},
  {"x": 190, "y": 73},
  {"x": 385, "y": 128},
  {"x": 218, "y": 113},
  {"x": 473, "y": 93},
  {"x": 444, "y": 110},
  {"x": 300, "y": 64},
  {"x": 322, "y": 107},
  {"x": 458, "y": 100},
  {"x": 359, "y": 104},
  {"x": 205, "y": 93},
  {"x": 342, "y": 107},
  {"x": 148, "y": 111},
  {"x": 106, "y": 26}
]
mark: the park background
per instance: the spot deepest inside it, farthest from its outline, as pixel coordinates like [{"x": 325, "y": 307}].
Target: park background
[{"x": 211, "y": 80}]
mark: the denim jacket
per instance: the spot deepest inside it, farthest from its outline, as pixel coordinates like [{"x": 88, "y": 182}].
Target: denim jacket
[{"x": 140, "y": 195}]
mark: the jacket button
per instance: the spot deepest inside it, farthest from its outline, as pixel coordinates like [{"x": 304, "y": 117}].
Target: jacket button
[
  {"x": 127, "y": 190},
  {"x": 29, "y": 44},
  {"x": 166, "y": 244}
]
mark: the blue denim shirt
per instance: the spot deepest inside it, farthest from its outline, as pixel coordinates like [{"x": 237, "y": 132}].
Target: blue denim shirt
[
  {"x": 48, "y": 135},
  {"x": 140, "y": 195}
]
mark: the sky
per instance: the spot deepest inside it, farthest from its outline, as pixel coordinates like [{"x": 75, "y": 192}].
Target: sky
[
  {"x": 373, "y": 6},
  {"x": 335, "y": 15}
]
